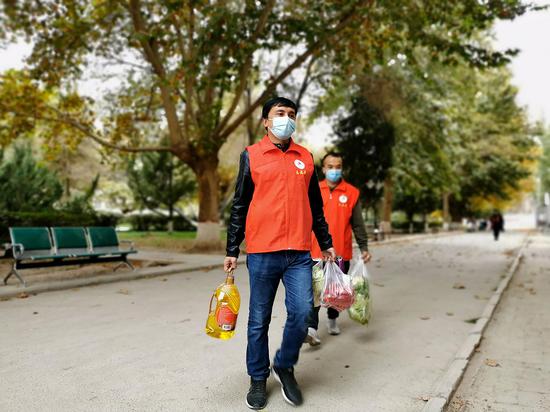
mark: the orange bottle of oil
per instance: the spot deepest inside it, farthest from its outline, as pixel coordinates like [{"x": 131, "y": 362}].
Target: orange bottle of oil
[{"x": 224, "y": 309}]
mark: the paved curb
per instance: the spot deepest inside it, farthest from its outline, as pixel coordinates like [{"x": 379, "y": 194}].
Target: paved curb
[
  {"x": 103, "y": 279},
  {"x": 156, "y": 271},
  {"x": 409, "y": 238},
  {"x": 450, "y": 380}
]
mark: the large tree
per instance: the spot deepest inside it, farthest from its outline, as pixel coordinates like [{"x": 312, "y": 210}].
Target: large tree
[
  {"x": 366, "y": 140},
  {"x": 186, "y": 64}
]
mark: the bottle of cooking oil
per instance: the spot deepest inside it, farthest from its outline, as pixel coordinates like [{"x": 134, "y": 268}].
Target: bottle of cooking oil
[{"x": 224, "y": 309}]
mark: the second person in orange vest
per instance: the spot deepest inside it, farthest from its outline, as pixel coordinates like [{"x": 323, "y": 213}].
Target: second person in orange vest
[{"x": 344, "y": 216}]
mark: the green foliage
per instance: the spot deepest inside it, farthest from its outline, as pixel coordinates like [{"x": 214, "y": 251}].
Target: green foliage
[
  {"x": 26, "y": 185},
  {"x": 544, "y": 163},
  {"x": 187, "y": 63},
  {"x": 457, "y": 130},
  {"x": 366, "y": 140},
  {"x": 159, "y": 181}
]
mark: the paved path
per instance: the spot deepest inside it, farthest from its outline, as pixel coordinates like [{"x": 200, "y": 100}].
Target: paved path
[
  {"x": 511, "y": 371},
  {"x": 140, "y": 345}
]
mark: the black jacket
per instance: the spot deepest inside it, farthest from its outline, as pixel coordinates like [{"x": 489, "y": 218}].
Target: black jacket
[{"x": 244, "y": 189}]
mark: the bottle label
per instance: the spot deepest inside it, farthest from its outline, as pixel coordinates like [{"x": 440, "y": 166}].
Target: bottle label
[{"x": 226, "y": 318}]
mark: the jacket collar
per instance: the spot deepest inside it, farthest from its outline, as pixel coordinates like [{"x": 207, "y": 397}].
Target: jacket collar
[
  {"x": 342, "y": 186},
  {"x": 267, "y": 145}
]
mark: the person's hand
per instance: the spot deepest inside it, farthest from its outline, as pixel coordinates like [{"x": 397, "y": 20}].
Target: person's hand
[
  {"x": 329, "y": 254},
  {"x": 366, "y": 256},
  {"x": 229, "y": 264}
]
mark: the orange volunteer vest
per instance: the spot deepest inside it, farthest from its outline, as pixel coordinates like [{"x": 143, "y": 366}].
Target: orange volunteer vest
[
  {"x": 338, "y": 206},
  {"x": 279, "y": 216}
]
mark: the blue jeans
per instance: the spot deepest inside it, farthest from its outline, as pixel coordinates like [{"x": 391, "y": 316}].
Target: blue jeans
[{"x": 266, "y": 270}]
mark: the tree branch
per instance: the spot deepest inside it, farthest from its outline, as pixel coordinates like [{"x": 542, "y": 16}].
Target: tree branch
[
  {"x": 150, "y": 48},
  {"x": 312, "y": 50},
  {"x": 245, "y": 68},
  {"x": 85, "y": 130},
  {"x": 305, "y": 83}
]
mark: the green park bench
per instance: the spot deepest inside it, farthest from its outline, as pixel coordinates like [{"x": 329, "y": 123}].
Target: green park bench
[{"x": 41, "y": 247}]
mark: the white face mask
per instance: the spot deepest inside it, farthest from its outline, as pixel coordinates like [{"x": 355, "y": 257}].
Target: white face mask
[{"x": 283, "y": 127}]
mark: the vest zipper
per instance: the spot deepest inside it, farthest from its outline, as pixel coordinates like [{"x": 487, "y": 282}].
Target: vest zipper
[{"x": 287, "y": 201}]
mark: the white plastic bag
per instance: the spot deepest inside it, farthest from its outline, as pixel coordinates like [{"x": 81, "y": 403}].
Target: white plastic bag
[
  {"x": 337, "y": 290},
  {"x": 318, "y": 281},
  {"x": 361, "y": 310}
]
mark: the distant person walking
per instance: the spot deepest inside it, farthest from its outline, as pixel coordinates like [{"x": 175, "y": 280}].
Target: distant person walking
[
  {"x": 497, "y": 224},
  {"x": 277, "y": 204}
]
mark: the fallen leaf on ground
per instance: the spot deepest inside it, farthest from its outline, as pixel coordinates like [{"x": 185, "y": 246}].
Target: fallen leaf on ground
[
  {"x": 124, "y": 292},
  {"x": 424, "y": 398},
  {"x": 491, "y": 362},
  {"x": 23, "y": 295},
  {"x": 532, "y": 291},
  {"x": 378, "y": 284},
  {"x": 450, "y": 314},
  {"x": 459, "y": 286},
  {"x": 424, "y": 317}
]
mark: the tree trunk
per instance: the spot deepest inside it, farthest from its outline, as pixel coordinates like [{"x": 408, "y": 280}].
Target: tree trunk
[
  {"x": 208, "y": 230},
  {"x": 410, "y": 217},
  {"x": 387, "y": 205},
  {"x": 171, "y": 197},
  {"x": 426, "y": 224},
  {"x": 446, "y": 214}
]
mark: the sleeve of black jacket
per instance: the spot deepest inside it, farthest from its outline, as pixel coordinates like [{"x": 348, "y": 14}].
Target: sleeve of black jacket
[
  {"x": 320, "y": 226},
  {"x": 244, "y": 189},
  {"x": 358, "y": 227}
]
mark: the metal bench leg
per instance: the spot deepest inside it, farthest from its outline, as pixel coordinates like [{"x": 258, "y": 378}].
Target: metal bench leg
[
  {"x": 13, "y": 271},
  {"x": 129, "y": 265},
  {"x": 124, "y": 262}
]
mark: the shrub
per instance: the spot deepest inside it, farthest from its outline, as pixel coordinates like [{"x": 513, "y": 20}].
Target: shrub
[
  {"x": 159, "y": 223},
  {"x": 52, "y": 218}
]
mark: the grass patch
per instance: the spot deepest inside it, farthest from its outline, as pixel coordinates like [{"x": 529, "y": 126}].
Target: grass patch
[
  {"x": 175, "y": 241},
  {"x": 135, "y": 235}
]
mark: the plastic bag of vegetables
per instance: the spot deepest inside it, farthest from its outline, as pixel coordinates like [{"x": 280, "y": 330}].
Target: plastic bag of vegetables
[
  {"x": 361, "y": 310},
  {"x": 318, "y": 281},
  {"x": 337, "y": 290}
]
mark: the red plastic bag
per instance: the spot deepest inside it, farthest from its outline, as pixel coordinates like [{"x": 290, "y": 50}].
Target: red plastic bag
[{"x": 337, "y": 291}]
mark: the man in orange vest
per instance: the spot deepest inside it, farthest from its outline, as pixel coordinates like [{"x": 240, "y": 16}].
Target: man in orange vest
[
  {"x": 344, "y": 216},
  {"x": 277, "y": 204}
]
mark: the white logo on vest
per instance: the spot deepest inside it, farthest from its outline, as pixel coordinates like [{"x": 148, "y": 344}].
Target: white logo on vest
[
  {"x": 343, "y": 199},
  {"x": 299, "y": 164}
]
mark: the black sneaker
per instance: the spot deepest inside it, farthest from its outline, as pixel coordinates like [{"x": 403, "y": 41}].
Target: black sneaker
[
  {"x": 256, "y": 398},
  {"x": 289, "y": 386}
]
